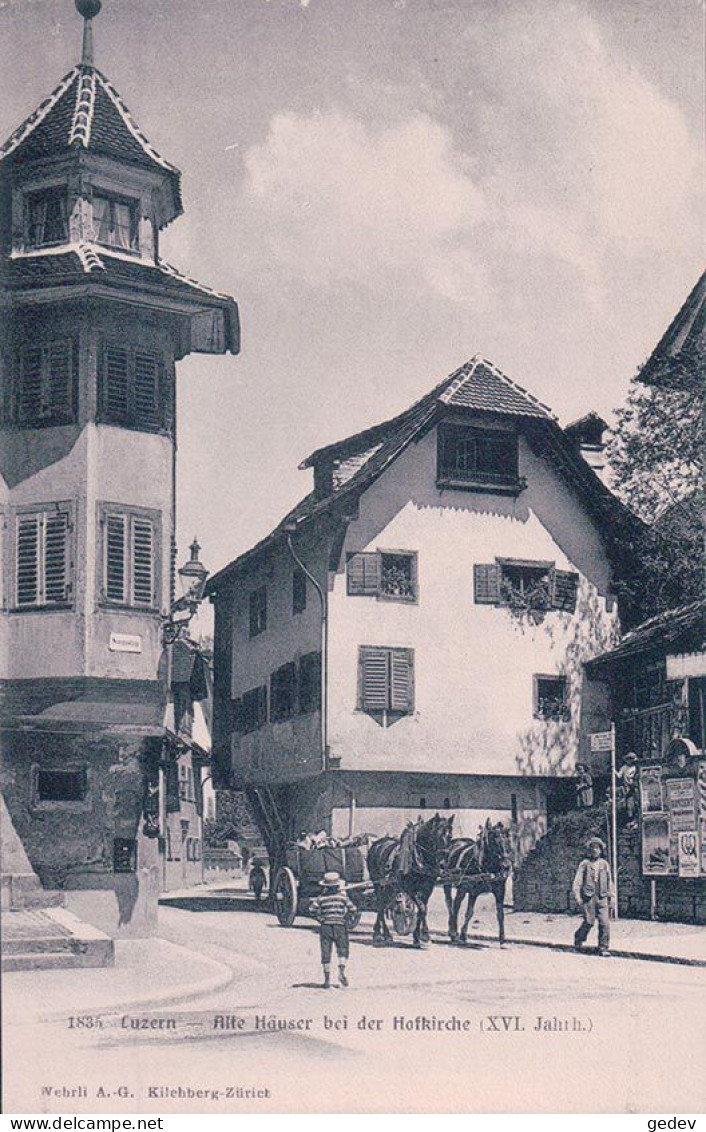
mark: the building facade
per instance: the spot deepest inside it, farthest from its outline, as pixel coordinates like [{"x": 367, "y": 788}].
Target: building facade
[
  {"x": 411, "y": 637},
  {"x": 93, "y": 326}
]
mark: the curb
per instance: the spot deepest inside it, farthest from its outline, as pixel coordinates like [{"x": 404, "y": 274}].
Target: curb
[
  {"x": 219, "y": 980},
  {"x": 615, "y": 953}
]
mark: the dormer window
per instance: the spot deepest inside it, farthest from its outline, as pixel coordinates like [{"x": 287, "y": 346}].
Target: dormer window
[
  {"x": 115, "y": 222},
  {"x": 478, "y": 458},
  {"x": 47, "y": 218}
]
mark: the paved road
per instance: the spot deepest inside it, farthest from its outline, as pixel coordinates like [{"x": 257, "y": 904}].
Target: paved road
[{"x": 448, "y": 1029}]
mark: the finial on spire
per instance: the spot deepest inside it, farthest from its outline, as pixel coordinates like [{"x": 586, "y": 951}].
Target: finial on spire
[{"x": 88, "y": 9}]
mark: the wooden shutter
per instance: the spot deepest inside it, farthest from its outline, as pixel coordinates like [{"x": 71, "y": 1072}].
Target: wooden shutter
[
  {"x": 401, "y": 680},
  {"x": 142, "y": 562},
  {"x": 27, "y": 559},
  {"x": 60, "y": 375},
  {"x": 238, "y": 716},
  {"x": 262, "y": 705},
  {"x": 30, "y": 400},
  {"x": 486, "y": 582},
  {"x": 115, "y": 382},
  {"x": 363, "y": 572},
  {"x": 566, "y": 584},
  {"x": 146, "y": 388},
  {"x": 116, "y": 558},
  {"x": 374, "y": 679},
  {"x": 56, "y": 572}
]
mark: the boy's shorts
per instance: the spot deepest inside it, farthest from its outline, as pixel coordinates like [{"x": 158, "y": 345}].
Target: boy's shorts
[{"x": 330, "y": 934}]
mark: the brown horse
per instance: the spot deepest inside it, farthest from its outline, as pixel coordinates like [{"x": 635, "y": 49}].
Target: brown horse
[
  {"x": 478, "y": 866},
  {"x": 409, "y": 864}
]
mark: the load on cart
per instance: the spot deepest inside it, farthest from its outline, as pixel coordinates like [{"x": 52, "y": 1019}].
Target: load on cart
[{"x": 305, "y": 862}]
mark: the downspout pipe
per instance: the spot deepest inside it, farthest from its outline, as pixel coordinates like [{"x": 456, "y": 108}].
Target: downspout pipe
[{"x": 324, "y": 643}]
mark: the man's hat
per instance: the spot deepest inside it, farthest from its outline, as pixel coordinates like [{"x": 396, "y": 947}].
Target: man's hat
[
  {"x": 332, "y": 880},
  {"x": 631, "y": 757},
  {"x": 595, "y": 841}
]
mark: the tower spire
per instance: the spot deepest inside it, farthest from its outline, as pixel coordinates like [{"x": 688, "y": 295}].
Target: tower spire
[{"x": 88, "y": 9}]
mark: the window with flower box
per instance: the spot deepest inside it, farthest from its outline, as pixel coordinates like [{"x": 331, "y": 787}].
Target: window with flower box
[
  {"x": 525, "y": 586},
  {"x": 386, "y": 574}
]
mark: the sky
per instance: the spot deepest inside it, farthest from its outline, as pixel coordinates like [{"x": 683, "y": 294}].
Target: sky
[{"x": 388, "y": 187}]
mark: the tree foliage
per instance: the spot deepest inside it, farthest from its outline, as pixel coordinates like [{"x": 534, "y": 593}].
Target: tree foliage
[{"x": 655, "y": 454}]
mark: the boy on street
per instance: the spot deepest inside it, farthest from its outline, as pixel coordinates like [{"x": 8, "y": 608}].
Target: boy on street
[
  {"x": 331, "y": 910},
  {"x": 592, "y": 890}
]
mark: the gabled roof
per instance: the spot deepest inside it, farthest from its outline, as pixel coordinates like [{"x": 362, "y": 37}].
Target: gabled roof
[
  {"x": 477, "y": 386},
  {"x": 86, "y": 112},
  {"x": 96, "y": 266},
  {"x": 677, "y": 629},
  {"x": 677, "y": 359}
]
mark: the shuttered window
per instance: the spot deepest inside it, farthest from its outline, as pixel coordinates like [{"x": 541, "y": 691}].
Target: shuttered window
[
  {"x": 46, "y": 383},
  {"x": 283, "y": 692},
  {"x": 42, "y": 559},
  {"x": 386, "y": 680},
  {"x": 533, "y": 585},
  {"x": 252, "y": 712},
  {"x": 386, "y": 574},
  {"x": 132, "y": 388},
  {"x": 310, "y": 682},
  {"x": 129, "y": 559}
]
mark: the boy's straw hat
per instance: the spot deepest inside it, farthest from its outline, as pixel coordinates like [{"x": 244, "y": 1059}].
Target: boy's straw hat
[
  {"x": 595, "y": 841},
  {"x": 332, "y": 880}
]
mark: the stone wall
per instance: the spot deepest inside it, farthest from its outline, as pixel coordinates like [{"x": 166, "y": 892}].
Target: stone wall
[{"x": 542, "y": 882}]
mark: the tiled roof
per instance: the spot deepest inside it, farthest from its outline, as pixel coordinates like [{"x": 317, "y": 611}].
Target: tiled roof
[
  {"x": 677, "y": 359},
  {"x": 86, "y": 111},
  {"x": 682, "y": 628},
  {"x": 477, "y": 385},
  {"x": 91, "y": 263}
]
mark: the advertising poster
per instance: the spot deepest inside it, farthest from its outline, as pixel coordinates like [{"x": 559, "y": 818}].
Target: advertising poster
[
  {"x": 656, "y": 846},
  {"x": 651, "y": 800},
  {"x": 681, "y": 803},
  {"x": 689, "y": 864}
]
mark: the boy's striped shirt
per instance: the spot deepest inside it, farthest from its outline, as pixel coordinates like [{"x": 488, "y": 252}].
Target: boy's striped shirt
[{"x": 332, "y": 907}]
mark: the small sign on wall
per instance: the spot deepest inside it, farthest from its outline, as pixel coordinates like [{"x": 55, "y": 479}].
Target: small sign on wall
[{"x": 124, "y": 642}]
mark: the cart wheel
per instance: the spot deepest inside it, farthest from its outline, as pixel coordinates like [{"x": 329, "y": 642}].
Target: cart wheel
[
  {"x": 353, "y": 919},
  {"x": 285, "y": 894},
  {"x": 404, "y": 914}
]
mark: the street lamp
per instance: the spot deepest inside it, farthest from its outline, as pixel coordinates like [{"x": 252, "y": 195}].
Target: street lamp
[{"x": 192, "y": 582}]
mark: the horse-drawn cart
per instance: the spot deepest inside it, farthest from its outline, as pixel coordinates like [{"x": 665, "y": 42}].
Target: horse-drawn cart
[{"x": 297, "y": 880}]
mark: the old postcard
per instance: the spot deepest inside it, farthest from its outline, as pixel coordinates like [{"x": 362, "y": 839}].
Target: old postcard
[{"x": 352, "y": 618}]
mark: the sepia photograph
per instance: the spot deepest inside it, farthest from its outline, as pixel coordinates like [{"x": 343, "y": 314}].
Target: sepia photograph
[{"x": 352, "y": 573}]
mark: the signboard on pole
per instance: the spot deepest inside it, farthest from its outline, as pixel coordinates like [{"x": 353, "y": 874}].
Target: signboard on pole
[{"x": 602, "y": 741}]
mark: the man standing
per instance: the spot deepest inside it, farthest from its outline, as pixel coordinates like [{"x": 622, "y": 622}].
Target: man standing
[{"x": 592, "y": 891}]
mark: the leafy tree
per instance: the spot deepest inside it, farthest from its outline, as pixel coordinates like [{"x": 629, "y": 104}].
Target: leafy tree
[{"x": 655, "y": 453}]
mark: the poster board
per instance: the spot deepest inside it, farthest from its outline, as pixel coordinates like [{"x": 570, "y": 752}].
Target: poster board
[{"x": 673, "y": 813}]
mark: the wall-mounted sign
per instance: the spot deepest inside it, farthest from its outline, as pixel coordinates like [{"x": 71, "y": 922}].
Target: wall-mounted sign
[
  {"x": 689, "y": 854},
  {"x": 124, "y": 642},
  {"x": 602, "y": 741},
  {"x": 685, "y": 665}
]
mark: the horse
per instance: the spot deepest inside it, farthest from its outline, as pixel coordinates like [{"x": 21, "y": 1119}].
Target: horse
[
  {"x": 408, "y": 865},
  {"x": 484, "y": 866}
]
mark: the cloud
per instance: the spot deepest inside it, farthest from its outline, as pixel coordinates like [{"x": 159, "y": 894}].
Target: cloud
[
  {"x": 343, "y": 200},
  {"x": 560, "y": 158}
]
